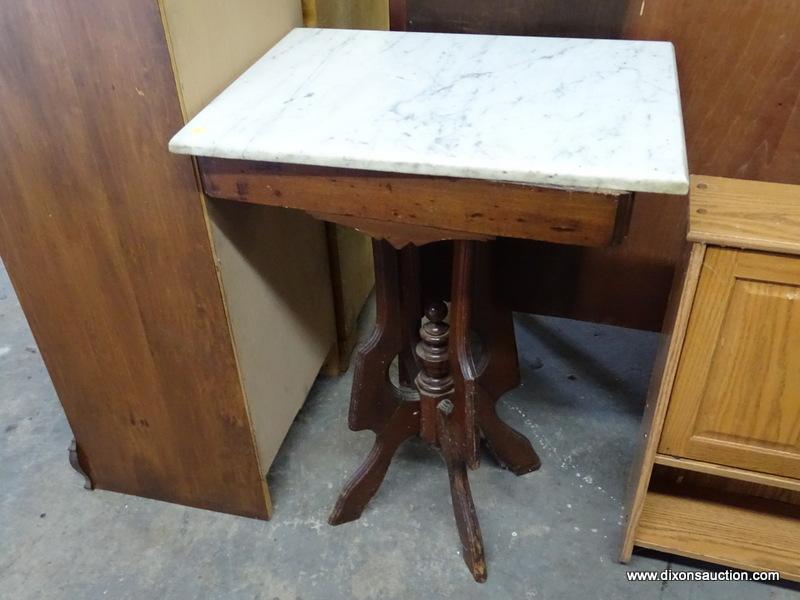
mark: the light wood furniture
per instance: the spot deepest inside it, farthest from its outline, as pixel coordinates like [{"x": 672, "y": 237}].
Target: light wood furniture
[
  {"x": 414, "y": 156},
  {"x": 718, "y": 473},
  {"x": 182, "y": 334}
]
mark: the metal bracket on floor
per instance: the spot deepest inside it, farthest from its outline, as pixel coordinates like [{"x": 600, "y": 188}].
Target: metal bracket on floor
[{"x": 75, "y": 462}]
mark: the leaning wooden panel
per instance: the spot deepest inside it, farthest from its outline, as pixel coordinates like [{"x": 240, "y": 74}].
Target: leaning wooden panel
[
  {"x": 104, "y": 238},
  {"x": 473, "y": 206},
  {"x": 273, "y": 264},
  {"x": 349, "y": 252},
  {"x": 352, "y": 280}
]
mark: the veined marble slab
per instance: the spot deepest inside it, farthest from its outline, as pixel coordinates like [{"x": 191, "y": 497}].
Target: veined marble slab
[{"x": 556, "y": 112}]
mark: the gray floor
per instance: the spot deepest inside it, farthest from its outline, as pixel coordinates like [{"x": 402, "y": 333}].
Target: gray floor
[{"x": 551, "y": 534}]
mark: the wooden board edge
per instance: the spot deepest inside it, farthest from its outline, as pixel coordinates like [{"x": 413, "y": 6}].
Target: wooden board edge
[
  {"x": 716, "y": 558},
  {"x": 203, "y": 199},
  {"x": 733, "y": 564},
  {"x": 661, "y": 382},
  {"x": 785, "y": 483},
  {"x": 712, "y": 191},
  {"x": 573, "y": 217},
  {"x": 742, "y": 243},
  {"x": 398, "y": 235}
]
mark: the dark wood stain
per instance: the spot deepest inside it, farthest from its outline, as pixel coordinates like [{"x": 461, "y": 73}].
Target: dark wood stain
[
  {"x": 103, "y": 234},
  {"x": 462, "y": 206},
  {"x": 446, "y": 396}
]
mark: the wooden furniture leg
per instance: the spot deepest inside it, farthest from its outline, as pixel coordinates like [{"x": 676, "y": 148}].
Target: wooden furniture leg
[
  {"x": 411, "y": 304},
  {"x": 497, "y": 370},
  {"x": 454, "y": 407},
  {"x": 437, "y": 386},
  {"x": 451, "y": 440},
  {"x": 376, "y": 404},
  {"x": 364, "y": 483},
  {"x": 493, "y": 322},
  {"x": 373, "y": 397},
  {"x": 511, "y": 449}
]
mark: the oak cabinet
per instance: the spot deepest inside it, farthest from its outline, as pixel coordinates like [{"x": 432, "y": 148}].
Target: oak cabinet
[{"x": 717, "y": 475}]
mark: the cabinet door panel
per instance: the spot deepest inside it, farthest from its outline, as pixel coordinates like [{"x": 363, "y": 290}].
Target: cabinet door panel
[{"x": 736, "y": 399}]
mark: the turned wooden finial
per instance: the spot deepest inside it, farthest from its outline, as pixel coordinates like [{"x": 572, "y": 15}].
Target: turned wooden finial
[{"x": 434, "y": 378}]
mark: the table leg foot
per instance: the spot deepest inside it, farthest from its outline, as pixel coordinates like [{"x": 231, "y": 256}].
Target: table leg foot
[
  {"x": 364, "y": 483},
  {"x": 469, "y": 529},
  {"x": 511, "y": 449}
]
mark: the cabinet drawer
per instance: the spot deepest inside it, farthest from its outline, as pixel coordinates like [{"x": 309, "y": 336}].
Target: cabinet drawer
[{"x": 736, "y": 398}]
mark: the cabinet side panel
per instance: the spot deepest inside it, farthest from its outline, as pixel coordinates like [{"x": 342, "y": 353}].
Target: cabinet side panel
[
  {"x": 103, "y": 235},
  {"x": 273, "y": 263},
  {"x": 658, "y": 396}
]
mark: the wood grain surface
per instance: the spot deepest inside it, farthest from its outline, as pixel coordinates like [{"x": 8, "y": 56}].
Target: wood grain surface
[
  {"x": 660, "y": 390},
  {"x": 765, "y": 479},
  {"x": 103, "y": 234},
  {"x": 744, "y": 534},
  {"x": 735, "y": 399},
  {"x": 745, "y": 214},
  {"x": 484, "y": 208}
]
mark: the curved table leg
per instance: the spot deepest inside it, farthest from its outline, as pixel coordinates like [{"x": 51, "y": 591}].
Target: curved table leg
[
  {"x": 456, "y": 398},
  {"x": 511, "y": 449},
  {"x": 456, "y": 420},
  {"x": 469, "y": 529},
  {"x": 364, "y": 483}
]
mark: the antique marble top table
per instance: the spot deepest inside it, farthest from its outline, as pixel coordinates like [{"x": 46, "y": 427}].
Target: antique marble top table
[{"x": 417, "y": 137}]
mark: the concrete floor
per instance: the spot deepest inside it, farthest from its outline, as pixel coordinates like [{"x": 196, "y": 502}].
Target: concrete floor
[{"x": 551, "y": 534}]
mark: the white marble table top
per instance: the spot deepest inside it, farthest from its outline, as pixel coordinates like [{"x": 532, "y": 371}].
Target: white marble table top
[{"x": 556, "y": 112}]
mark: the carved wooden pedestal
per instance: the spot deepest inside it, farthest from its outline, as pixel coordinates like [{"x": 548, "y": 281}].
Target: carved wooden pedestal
[{"x": 451, "y": 403}]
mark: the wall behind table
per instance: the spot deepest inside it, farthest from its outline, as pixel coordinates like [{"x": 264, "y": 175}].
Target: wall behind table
[
  {"x": 351, "y": 14},
  {"x": 739, "y": 68},
  {"x": 350, "y": 251}
]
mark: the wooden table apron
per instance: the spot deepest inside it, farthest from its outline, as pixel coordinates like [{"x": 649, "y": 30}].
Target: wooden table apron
[{"x": 447, "y": 391}]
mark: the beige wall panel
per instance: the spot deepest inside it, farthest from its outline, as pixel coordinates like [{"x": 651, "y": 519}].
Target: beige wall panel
[
  {"x": 273, "y": 263},
  {"x": 347, "y": 14}
]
